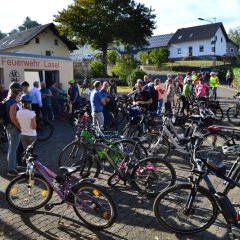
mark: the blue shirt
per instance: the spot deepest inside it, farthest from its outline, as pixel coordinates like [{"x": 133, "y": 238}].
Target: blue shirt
[
  {"x": 46, "y": 100},
  {"x": 95, "y": 100},
  {"x": 74, "y": 90}
]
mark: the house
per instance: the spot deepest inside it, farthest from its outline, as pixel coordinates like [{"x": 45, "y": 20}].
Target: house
[
  {"x": 207, "y": 41},
  {"x": 36, "y": 54}
]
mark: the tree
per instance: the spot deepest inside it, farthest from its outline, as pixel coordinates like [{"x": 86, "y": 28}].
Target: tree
[
  {"x": 112, "y": 56},
  {"x": 234, "y": 35},
  {"x": 102, "y": 22},
  {"x": 159, "y": 55},
  {"x": 27, "y": 24},
  {"x": 143, "y": 57},
  {"x": 124, "y": 66},
  {"x": 2, "y": 35}
]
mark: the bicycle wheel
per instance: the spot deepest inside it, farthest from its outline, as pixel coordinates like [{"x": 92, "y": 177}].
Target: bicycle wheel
[
  {"x": 94, "y": 206},
  {"x": 44, "y": 130},
  {"x": 76, "y": 154},
  {"x": 218, "y": 114},
  {"x": 130, "y": 131},
  {"x": 28, "y": 196},
  {"x": 152, "y": 175},
  {"x": 211, "y": 145},
  {"x": 161, "y": 150},
  {"x": 170, "y": 208},
  {"x": 233, "y": 115}
]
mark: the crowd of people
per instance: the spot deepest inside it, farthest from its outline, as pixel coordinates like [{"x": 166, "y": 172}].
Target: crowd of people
[{"x": 148, "y": 92}]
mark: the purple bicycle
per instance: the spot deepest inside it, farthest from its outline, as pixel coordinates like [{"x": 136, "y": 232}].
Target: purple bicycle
[{"x": 34, "y": 188}]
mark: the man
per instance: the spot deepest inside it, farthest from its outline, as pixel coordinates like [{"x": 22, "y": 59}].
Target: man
[
  {"x": 185, "y": 96},
  {"x": 3, "y": 93},
  {"x": 213, "y": 84},
  {"x": 97, "y": 102},
  {"x": 142, "y": 97},
  {"x": 36, "y": 98},
  {"x": 106, "y": 112},
  {"x": 25, "y": 86},
  {"x": 75, "y": 95},
  {"x": 113, "y": 87},
  {"x": 47, "y": 110}
]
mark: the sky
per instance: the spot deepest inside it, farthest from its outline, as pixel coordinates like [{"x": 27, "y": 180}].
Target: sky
[{"x": 170, "y": 14}]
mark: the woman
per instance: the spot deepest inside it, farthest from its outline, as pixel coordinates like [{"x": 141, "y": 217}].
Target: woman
[{"x": 13, "y": 127}]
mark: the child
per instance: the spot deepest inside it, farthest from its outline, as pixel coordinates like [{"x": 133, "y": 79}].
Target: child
[{"x": 27, "y": 121}]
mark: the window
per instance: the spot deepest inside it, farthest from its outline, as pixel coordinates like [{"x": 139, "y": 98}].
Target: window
[
  {"x": 48, "y": 53},
  {"x": 37, "y": 40},
  {"x": 231, "y": 50},
  {"x": 226, "y": 50},
  {"x": 56, "y": 42},
  {"x": 191, "y": 35},
  {"x": 179, "y": 50},
  {"x": 213, "y": 49},
  {"x": 201, "y": 48},
  {"x": 179, "y": 37},
  {"x": 221, "y": 39}
]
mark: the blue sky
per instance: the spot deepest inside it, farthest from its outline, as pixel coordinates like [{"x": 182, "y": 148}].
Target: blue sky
[{"x": 171, "y": 14}]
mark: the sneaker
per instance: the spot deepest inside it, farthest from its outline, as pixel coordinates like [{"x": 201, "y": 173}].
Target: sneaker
[{"x": 12, "y": 173}]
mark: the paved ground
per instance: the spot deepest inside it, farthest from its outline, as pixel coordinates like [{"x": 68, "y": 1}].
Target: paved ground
[{"x": 135, "y": 221}]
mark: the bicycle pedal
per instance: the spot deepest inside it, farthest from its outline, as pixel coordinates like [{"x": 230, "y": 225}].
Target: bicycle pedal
[{"x": 48, "y": 207}]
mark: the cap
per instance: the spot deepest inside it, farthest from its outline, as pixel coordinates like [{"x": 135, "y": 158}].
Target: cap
[{"x": 71, "y": 81}]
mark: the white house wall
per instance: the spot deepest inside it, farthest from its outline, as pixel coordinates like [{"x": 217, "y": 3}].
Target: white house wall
[
  {"x": 221, "y": 47},
  {"x": 46, "y": 43}
]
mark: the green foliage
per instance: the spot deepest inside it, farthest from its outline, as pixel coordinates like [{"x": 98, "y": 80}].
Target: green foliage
[
  {"x": 159, "y": 56},
  {"x": 123, "y": 68},
  {"x": 143, "y": 57},
  {"x": 234, "y": 35},
  {"x": 27, "y": 24},
  {"x": 134, "y": 76},
  {"x": 97, "y": 69},
  {"x": 102, "y": 22},
  {"x": 2, "y": 35},
  {"x": 112, "y": 56}
]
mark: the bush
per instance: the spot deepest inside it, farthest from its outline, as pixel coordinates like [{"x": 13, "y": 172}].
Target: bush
[
  {"x": 97, "y": 69},
  {"x": 134, "y": 76},
  {"x": 123, "y": 68}
]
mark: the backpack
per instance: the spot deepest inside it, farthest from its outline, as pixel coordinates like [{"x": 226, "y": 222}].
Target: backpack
[{"x": 4, "y": 118}]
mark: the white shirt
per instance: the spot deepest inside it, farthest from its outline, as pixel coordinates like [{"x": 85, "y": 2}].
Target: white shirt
[
  {"x": 36, "y": 96},
  {"x": 24, "y": 117}
]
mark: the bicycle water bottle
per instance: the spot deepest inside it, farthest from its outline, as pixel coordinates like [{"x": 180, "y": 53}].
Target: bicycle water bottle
[{"x": 238, "y": 215}]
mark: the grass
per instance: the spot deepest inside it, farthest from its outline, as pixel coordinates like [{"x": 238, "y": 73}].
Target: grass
[{"x": 124, "y": 89}]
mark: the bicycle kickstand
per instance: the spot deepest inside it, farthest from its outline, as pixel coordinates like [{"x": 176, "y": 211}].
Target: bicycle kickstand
[{"x": 60, "y": 221}]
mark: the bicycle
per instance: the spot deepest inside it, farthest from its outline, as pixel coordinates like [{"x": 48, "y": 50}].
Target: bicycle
[
  {"x": 233, "y": 113},
  {"x": 32, "y": 190},
  {"x": 191, "y": 208},
  {"x": 44, "y": 129}
]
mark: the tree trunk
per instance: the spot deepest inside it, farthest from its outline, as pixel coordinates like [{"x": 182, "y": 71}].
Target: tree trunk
[{"x": 104, "y": 60}]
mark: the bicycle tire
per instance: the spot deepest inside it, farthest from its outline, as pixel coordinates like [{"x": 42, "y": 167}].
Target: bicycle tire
[
  {"x": 42, "y": 193},
  {"x": 210, "y": 146},
  {"x": 170, "y": 204},
  {"x": 144, "y": 176},
  {"x": 161, "y": 150},
  {"x": 113, "y": 180},
  {"x": 233, "y": 115},
  {"x": 128, "y": 130},
  {"x": 44, "y": 130},
  {"x": 218, "y": 112},
  {"x": 71, "y": 156},
  {"x": 89, "y": 215}
]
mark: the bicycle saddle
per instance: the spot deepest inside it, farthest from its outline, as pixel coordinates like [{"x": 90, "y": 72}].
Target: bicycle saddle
[{"x": 69, "y": 170}]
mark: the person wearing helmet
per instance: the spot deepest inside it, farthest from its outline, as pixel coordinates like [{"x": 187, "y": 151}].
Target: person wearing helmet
[
  {"x": 27, "y": 121},
  {"x": 12, "y": 126}
]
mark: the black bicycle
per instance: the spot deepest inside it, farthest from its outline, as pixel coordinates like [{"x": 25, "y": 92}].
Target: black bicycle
[
  {"x": 191, "y": 208},
  {"x": 233, "y": 113},
  {"x": 44, "y": 129}
]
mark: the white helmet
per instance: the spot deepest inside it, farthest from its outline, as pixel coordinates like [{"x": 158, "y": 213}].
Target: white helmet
[{"x": 234, "y": 149}]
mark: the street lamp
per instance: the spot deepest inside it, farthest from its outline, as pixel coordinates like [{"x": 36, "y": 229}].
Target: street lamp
[{"x": 214, "y": 43}]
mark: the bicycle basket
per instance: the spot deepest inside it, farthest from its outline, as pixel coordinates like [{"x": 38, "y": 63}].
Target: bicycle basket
[
  {"x": 179, "y": 120},
  {"x": 214, "y": 104}
]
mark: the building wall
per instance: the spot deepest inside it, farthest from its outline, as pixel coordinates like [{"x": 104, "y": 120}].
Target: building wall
[
  {"x": 207, "y": 45},
  {"x": 46, "y": 43},
  {"x": 14, "y": 67}
]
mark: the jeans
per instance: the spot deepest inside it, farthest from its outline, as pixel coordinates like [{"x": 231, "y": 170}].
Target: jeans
[
  {"x": 159, "y": 107},
  {"x": 27, "y": 140},
  {"x": 107, "y": 118},
  {"x": 14, "y": 136},
  {"x": 215, "y": 93},
  {"x": 98, "y": 119}
]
